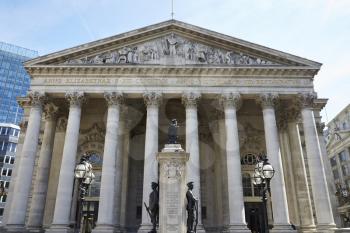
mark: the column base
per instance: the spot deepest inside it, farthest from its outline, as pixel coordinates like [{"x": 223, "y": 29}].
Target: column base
[
  {"x": 308, "y": 229},
  {"x": 326, "y": 228},
  {"x": 200, "y": 228},
  {"x": 15, "y": 228},
  {"x": 35, "y": 229},
  {"x": 145, "y": 228},
  {"x": 282, "y": 229},
  {"x": 104, "y": 228},
  {"x": 236, "y": 228},
  {"x": 59, "y": 229}
]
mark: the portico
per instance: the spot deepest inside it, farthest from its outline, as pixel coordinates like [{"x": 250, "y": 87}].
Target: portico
[{"x": 117, "y": 97}]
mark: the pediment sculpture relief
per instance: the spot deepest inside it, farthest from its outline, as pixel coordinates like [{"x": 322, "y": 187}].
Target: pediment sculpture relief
[{"x": 171, "y": 49}]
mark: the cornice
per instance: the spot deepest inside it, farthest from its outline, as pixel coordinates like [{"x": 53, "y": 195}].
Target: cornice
[{"x": 152, "y": 70}]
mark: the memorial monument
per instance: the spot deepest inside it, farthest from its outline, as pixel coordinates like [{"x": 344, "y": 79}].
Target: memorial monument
[{"x": 172, "y": 192}]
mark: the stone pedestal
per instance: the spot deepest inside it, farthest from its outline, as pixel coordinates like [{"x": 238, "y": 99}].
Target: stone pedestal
[{"x": 172, "y": 189}]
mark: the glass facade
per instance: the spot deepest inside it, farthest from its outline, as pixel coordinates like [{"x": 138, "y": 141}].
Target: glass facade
[
  {"x": 14, "y": 81},
  {"x": 9, "y": 134}
]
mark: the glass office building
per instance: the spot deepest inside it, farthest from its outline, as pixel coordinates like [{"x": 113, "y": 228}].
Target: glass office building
[{"x": 14, "y": 81}]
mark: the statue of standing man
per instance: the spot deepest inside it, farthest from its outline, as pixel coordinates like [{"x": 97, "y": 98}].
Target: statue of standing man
[
  {"x": 192, "y": 210},
  {"x": 153, "y": 207},
  {"x": 172, "y": 132}
]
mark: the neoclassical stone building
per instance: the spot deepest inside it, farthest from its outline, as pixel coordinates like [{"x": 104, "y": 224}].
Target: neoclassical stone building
[{"x": 114, "y": 99}]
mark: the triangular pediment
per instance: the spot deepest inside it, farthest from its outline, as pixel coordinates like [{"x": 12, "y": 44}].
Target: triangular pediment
[{"x": 172, "y": 43}]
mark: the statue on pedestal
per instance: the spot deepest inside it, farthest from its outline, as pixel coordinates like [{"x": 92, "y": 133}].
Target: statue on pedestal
[
  {"x": 192, "y": 210},
  {"x": 153, "y": 207},
  {"x": 172, "y": 132}
]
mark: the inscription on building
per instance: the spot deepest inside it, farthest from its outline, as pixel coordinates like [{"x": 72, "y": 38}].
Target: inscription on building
[{"x": 169, "y": 81}]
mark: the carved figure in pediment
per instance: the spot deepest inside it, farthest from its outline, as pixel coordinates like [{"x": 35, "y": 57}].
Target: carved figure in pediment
[
  {"x": 172, "y": 43},
  {"x": 228, "y": 59},
  {"x": 123, "y": 53},
  {"x": 201, "y": 56},
  {"x": 97, "y": 60}
]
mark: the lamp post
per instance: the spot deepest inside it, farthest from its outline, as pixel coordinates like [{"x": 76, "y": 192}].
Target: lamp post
[
  {"x": 263, "y": 173},
  {"x": 83, "y": 173}
]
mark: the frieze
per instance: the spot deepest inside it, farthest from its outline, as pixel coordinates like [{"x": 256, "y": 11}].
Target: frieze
[
  {"x": 171, "y": 49},
  {"x": 168, "y": 81}
]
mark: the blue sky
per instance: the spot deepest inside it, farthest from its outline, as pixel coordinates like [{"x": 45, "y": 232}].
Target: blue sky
[{"x": 316, "y": 29}]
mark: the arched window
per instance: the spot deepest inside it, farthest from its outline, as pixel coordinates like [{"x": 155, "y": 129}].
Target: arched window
[{"x": 247, "y": 185}]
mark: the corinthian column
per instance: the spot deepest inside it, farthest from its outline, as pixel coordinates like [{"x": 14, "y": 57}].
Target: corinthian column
[
  {"x": 150, "y": 172},
  {"x": 307, "y": 223},
  {"x": 320, "y": 191},
  {"x": 278, "y": 190},
  {"x": 18, "y": 209},
  {"x": 190, "y": 100},
  {"x": 111, "y": 176},
  {"x": 237, "y": 223},
  {"x": 60, "y": 222},
  {"x": 36, "y": 212}
]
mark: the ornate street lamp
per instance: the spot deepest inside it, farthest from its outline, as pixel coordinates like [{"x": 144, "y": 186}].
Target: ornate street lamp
[
  {"x": 262, "y": 175},
  {"x": 83, "y": 173}
]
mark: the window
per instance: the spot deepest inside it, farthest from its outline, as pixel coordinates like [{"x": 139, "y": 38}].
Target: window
[
  {"x": 7, "y": 159},
  {"x": 343, "y": 156},
  {"x": 12, "y": 160},
  {"x": 336, "y": 174},
  {"x": 333, "y": 161},
  {"x": 7, "y": 184},
  {"x": 3, "y": 198},
  {"x": 1, "y": 211},
  {"x": 247, "y": 185},
  {"x": 6, "y": 172}
]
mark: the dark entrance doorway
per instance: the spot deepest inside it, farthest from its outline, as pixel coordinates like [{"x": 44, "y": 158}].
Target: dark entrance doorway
[{"x": 254, "y": 216}]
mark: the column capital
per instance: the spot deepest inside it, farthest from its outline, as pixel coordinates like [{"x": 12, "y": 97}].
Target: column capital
[
  {"x": 231, "y": 100},
  {"x": 267, "y": 100},
  {"x": 75, "y": 98},
  {"x": 152, "y": 99},
  {"x": 306, "y": 100},
  {"x": 293, "y": 113},
  {"x": 190, "y": 99},
  {"x": 114, "y": 98},
  {"x": 320, "y": 127},
  {"x": 37, "y": 99},
  {"x": 50, "y": 111}
]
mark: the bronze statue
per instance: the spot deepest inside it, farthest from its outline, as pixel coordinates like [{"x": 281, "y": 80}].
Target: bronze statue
[
  {"x": 153, "y": 207},
  {"x": 172, "y": 132},
  {"x": 192, "y": 210}
]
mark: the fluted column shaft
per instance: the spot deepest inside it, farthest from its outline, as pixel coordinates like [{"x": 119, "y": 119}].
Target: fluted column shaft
[
  {"x": 150, "y": 173},
  {"x": 110, "y": 173},
  {"x": 17, "y": 214},
  {"x": 317, "y": 173},
  {"x": 192, "y": 146},
  {"x": 36, "y": 213},
  {"x": 66, "y": 178},
  {"x": 237, "y": 221},
  {"x": 278, "y": 190},
  {"x": 302, "y": 190}
]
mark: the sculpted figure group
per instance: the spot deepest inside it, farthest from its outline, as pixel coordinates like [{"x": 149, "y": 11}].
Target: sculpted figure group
[
  {"x": 163, "y": 50},
  {"x": 191, "y": 207}
]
